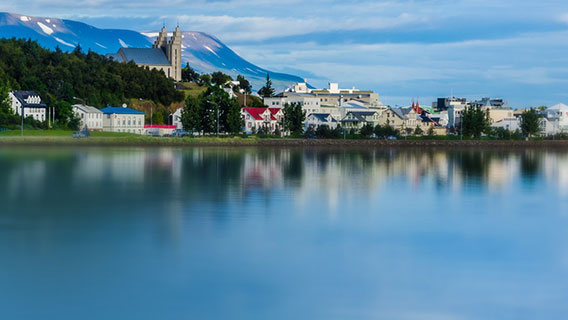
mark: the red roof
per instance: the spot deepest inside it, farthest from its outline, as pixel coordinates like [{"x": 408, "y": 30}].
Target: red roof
[
  {"x": 159, "y": 126},
  {"x": 256, "y": 113}
]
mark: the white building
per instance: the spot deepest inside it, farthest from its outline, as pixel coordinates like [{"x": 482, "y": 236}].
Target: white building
[
  {"x": 309, "y": 103},
  {"x": 176, "y": 118},
  {"x": 91, "y": 117},
  {"x": 30, "y": 102},
  {"x": 122, "y": 119},
  {"x": 315, "y": 120},
  {"x": 559, "y": 115},
  {"x": 258, "y": 118},
  {"x": 511, "y": 124}
]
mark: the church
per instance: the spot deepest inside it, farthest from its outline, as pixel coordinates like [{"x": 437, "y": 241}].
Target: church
[{"x": 165, "y": 54}]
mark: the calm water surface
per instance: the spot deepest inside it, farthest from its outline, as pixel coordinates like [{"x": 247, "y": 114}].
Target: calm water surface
[{"x": 209, "y": 233}]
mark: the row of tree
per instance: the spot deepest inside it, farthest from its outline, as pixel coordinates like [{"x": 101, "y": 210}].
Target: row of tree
[
  {"x": 212, "y": 111},
  {"x": 476, "y": 122},
  {"x": 62, "y": 79}
]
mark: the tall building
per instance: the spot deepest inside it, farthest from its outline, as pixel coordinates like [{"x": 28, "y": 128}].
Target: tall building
[{"x": 165, "y": 54}]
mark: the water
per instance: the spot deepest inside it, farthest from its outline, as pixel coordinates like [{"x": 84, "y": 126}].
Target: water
[{"x": 209, "y": 233}]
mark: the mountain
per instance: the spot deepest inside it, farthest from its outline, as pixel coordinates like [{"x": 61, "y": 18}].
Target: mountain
[{"x": 204, "y": 52}]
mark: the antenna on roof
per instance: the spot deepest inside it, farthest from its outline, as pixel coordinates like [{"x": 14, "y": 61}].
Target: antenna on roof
[{"x": 164, "y": 23}]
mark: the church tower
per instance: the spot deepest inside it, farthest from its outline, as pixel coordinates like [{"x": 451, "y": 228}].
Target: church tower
[
  {"x": 172, "y": 49},
  {"x": 173, "y": 52},
  {"x": 162, "y": 39}
]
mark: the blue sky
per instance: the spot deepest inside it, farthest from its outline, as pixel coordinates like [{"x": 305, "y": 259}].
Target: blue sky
[{"x": 516, "y": 50}]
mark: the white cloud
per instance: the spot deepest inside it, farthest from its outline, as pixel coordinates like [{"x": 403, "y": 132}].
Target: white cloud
[{"x": 253, "y": 28}]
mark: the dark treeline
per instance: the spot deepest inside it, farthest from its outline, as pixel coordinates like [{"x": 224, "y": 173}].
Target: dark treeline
[{"x": 79, "y": 77}]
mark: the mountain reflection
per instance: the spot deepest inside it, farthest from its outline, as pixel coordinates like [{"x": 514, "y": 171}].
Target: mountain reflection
[{"x": 124, "y": 177}]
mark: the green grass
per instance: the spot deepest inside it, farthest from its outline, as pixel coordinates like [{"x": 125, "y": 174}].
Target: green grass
[{"x": 61, "y": 133}]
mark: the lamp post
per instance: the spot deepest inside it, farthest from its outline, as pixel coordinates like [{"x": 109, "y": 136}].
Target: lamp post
[{"x": 22, "y": 127}]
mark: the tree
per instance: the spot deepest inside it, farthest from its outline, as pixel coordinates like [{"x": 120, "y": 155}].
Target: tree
[
  {"x": 379, "y": 131},
  {"x": 530, "y": 123},
  {"x": 220, "y": 79},
  {"x": 244, "y": 84},
  {"x": 294, "y": 118},
  {"x": 431, "y": 131},
  {"x": 188, "y": 74},
  {"x": 323, "y": 131},
  {"x": 418, "y": 131},
  {"x": 191, "y": 114},
  {"x": 233, "y": 122},
  {"x": 267, "y": 90},
  {"x": 367, "y": 129},
  {"x": 204, "y": 80},
  {"x": 475, "y": 122}
]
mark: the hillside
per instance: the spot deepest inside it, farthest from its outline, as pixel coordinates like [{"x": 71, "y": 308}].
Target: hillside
[
  {"x": 204, "y": 52},
  {"x": 62, "y": 78}
]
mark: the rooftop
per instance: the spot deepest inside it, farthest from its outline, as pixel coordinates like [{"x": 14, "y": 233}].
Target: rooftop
[
  {"x": 120, "y": 110},
  {"x": 144, "y": 56}
]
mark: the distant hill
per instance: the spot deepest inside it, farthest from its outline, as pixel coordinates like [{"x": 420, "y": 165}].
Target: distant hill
[{"x": 204, "y": 52}]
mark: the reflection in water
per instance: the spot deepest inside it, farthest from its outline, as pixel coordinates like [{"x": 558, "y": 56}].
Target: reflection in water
[{"x": 283, "y": 233}]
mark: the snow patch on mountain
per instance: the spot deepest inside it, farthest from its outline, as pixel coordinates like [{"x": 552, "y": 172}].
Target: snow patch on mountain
[
  {"x": 64, "y": 42},
  {"x": 45, "y": 28},
  {"x": 122, "y": 43},
  {"x": 211, "y": 50},
  {"x": 24, "y": 18}
]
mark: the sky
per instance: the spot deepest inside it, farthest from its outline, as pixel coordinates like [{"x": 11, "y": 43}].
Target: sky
[{"x": 404, "y": 50}]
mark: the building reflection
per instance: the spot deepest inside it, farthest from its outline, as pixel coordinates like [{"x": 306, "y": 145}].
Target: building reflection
[{"x": 179, "y": 176}]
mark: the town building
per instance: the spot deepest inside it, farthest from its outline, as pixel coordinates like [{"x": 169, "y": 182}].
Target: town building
[
  {"x": 334, "y": 96},
  {"x": 165, "y": 54},
  {"x": 257, "y": 119},
  {"x": 444, "y": 104},
  {"x": 91, "y": 117},
  {"x": 315, "y": 120},
  {"x": 176, "y": 118},
  {"x": 357, "y": 119},
  {"x": 122, "y": 119},
  {"x": 30, "y": 103},
  {"x": 510, "y": 124},
  {"x": 559, "y": 115}
]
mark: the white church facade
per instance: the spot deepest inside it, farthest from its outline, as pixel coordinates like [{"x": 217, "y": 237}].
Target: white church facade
[{"x": 165, "y": 54}]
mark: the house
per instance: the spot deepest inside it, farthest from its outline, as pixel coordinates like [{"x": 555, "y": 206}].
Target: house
[
  {"x": 165, "y": 54},
  {"x": 122, "y": 119},
  {"x": 262, "y": 118},
  {"x": 159, "y": 130},
  {"x": 559, "y": 115},
  {"x": 357, "y": 119},
  {"x": 91, "y": 117},
  {"x": 315, "y": 120},
  {"x": 31, "y": 104},
  {"x": 176, "y": 118},
  {"x": 510, "y": 124},
  {"x": 393, "y": 117}
]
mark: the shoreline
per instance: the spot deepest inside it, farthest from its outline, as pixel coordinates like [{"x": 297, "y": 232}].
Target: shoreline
[{"x": 42, "y": 141}]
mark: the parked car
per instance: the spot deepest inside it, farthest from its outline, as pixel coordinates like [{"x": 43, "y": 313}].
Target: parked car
[
  {"x": 81, "y": 134},
  {"x": 179, "y": 133}
]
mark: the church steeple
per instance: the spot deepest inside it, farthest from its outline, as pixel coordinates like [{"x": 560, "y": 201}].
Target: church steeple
[{"x": 162, "y": 39}]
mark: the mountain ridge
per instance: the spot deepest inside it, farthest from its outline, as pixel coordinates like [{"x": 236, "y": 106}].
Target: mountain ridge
[{"x": 204, "y": 52}]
